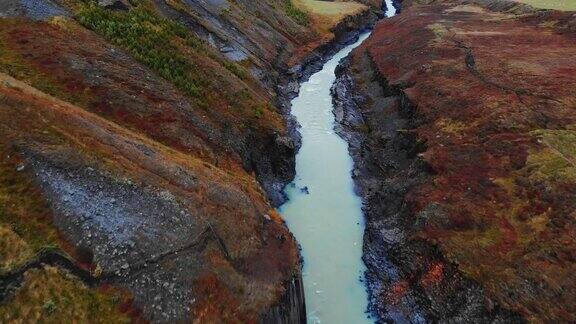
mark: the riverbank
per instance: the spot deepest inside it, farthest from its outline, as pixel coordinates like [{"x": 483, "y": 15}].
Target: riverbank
[
  {"x": 462, "y": 156},
  {"x": 323, "y": 212},
  {"x": 288, "y": 86},
  {"x": 132, "y": 137}
]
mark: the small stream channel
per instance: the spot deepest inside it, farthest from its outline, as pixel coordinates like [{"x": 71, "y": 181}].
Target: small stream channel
[{"x": 323, "y": 211}]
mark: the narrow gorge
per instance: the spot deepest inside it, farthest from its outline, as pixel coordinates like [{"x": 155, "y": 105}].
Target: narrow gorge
[
  {"x": 142, "y": 155},
  {"x": 287, "y": 161},
  {"x": 323, "y": 210}
]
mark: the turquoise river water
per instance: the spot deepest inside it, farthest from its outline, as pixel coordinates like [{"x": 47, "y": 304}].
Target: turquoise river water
[
  {"x": 323, "y": 211},
  {"x": 327, "y": 221}
]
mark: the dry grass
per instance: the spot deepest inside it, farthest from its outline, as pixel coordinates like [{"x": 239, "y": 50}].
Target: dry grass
[
  {"x": 50, "y": 295},
  {"x": 565, "y": 5},
  {"x": 14, "y": 251},
  {"x": 450, "y": 126},
  {"x": 439, "y": 31},
  {"x": 22, "y": 207},
  {"x": 326, "y": 14}
]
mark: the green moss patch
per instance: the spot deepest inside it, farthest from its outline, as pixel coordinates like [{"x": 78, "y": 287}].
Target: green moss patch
[
  {"x": 150, "y": 39},
  {"x": 556, "y": 161}
]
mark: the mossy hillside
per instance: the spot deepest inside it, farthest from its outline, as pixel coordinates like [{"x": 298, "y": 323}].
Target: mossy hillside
[
  {"x": 129, "y": 155},
  {"x": 13, "y": 64},
  {"x": 24, "y": 214},
  {"x": 40, "y": 300},
  {"x": 195, "y": 68},
  {"x": 159, "y": 43}
]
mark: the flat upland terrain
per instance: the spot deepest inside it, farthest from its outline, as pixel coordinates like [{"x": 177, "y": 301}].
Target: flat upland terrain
[{"x": 566, "y": 5}]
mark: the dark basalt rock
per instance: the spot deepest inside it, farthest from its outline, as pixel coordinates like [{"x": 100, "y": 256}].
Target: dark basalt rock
[
  {"x": 291, "y": 309},
  {"x": 386, "y": 167},
  {"x": 114, "y": 4}
]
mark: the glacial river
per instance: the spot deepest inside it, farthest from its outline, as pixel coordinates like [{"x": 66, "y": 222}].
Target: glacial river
[{"x": 323, "y": 211}]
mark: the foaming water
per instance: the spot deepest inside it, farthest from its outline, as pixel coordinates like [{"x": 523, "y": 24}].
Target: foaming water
[
  {"x": 323, "y": 211},
  {"x": 390, "y": 9}
]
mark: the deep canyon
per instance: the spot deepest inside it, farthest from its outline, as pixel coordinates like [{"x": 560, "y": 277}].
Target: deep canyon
[{"x": 146, "y": 145}]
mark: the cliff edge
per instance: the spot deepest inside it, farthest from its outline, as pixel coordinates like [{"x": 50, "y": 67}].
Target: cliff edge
[{"x": 460, "y": 119}]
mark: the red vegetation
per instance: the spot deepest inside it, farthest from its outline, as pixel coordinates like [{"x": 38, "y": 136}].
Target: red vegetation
[
  {"x": 396, "y": 292},
  {"x": 495, "y": 97},
  {"x": 434, "y": 276},
  {"x": 216, "y": 304}
]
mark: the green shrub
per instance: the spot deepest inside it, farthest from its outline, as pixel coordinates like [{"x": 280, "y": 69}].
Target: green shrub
[
  {"x": 151, "y": 40},
  {"x": 236, "y": 69},
  {"x": 49, "y": 306},
  {"x": 298, "y": 15},
  {"x": 258, "y": 110}
]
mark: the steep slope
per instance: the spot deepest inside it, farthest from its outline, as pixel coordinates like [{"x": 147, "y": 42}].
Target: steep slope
[
  {"x": 135, "y": 209},
  {"x": 268, "y": 37},
  {"x": 460, "y": 117},
  {"x": 135, "y": 149}
]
